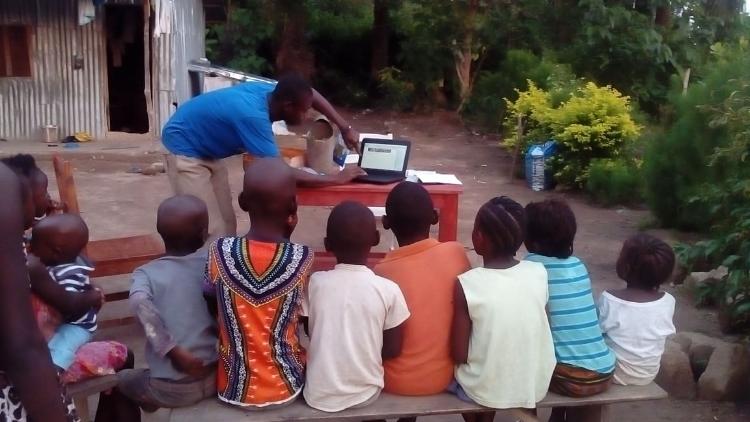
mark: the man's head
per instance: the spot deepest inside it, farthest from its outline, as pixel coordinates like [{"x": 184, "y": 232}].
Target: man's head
[
  {"x": 291, "y": 99},
  {"x": 24, "y": 165},
  {"x": 409, "y": 213},
  {"x": 351, "y": 233},
  {"x": 269, "y": 196},
  {"x": 182, "y": 222},
  {"x": 59, "y": 239}
]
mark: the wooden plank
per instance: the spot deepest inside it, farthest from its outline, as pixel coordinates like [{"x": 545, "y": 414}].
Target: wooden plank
[
  {"x": 390, "y": 406},
  {"x": 92, "y": 386},
  {"x": 65, "y": 184}
]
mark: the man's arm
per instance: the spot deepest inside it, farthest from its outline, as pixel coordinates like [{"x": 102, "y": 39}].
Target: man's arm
[
  {"x": 351, "y": 136},
  {"x": 308, "y": 179},
  {"x": 70, "y": 304},
  {"x": 393, "y": 340},
  {"x": 23, "y": 353}
]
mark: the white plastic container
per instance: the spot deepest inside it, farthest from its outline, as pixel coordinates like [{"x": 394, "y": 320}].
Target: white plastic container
[{"x": 50, "y": 133}]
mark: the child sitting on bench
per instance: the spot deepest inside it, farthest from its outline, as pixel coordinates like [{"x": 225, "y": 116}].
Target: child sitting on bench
[
  {"x": 584, "y": 361},
  {"x": 500, "y": 311},
  {"x": 57, "y": 241},
  {"x": 637, "y": 320},
  {"x": 167, "y": 298},
  {"x": 355, "y": 317},
  {"x": 258, "y": 283},
  {"x": 426, "y": 271}
]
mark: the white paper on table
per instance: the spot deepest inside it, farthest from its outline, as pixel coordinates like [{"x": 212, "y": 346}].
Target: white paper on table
[
  {"x": 375, "y": 136},
  {"x": 433, "y": 177}
]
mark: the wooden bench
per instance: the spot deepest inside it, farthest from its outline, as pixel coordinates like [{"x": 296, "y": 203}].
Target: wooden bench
[{"x": 390, "y": 407}]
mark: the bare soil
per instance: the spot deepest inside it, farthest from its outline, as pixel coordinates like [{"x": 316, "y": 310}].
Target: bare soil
[{"x": 117, "y": 203}]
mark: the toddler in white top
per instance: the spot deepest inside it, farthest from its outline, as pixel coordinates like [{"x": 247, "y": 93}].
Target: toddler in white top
[
  {"x": 637, "y": 320},
  {"x": 355, "y": 317}
]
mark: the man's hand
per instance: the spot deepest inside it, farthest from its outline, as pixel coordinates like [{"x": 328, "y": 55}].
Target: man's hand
[
  {"x": 348, "y": 174},
  {"x": 351, "y": 137},
  {"x": 185, "y": 362},
  {"x": 95, "y": 296}
]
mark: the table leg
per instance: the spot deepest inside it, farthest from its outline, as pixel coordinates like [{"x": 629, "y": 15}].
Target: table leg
[{"x": 448, "y": 220}]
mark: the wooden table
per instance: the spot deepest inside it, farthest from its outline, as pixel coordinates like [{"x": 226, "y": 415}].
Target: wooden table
[{"x": 445, "y": 198}]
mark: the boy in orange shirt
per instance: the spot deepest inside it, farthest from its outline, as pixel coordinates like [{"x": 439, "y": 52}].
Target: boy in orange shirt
[{"x": 426, "y": 271}]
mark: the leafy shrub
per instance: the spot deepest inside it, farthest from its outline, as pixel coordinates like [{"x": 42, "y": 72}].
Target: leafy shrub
[
  {"x": 677, "y": 164},
  {"x": 593, "y": 122},
  {"x": 615, "y": 181},
  {"x": 397, "y": 92},
  {"x": 230, "y": 44},
  {"x": 486, "y": 106},
  {"x": 727, "y": 200}
]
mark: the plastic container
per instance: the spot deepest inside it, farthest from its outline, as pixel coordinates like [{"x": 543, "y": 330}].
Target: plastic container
[{"x": 538, "y": 175}]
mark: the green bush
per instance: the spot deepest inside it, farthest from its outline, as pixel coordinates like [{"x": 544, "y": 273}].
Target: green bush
[
  {"x": 397, "y": 92},
  {"x": 613, "y": 182},
  {"x": 486, "y": 107},
  {"x": 594, "y": 122},
  {"x": 677, "y": 164}
]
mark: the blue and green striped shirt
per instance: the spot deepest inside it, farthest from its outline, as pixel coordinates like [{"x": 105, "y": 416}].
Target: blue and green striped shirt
[{"x": 573, "y": 317}]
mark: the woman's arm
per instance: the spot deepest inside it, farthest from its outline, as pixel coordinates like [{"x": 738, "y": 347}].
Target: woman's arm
[
  {"x": 23, "y": 354},
  {"x": 72, "y": 305},
  {"x": 461, "y": 327}
]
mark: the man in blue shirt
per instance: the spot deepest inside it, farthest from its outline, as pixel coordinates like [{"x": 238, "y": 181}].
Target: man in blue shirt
[{"x": 230, "y": 121}]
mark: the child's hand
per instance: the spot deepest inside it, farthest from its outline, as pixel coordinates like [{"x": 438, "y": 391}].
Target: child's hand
[{"x": 185, "y": 362}]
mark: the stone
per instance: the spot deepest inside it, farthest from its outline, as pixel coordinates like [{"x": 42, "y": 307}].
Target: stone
[
  {"x": 727, "y": 376},
  {"x": 699, "y": 355},
  {"x": 675, "y": 373},
  {"x": 689, "y": 339},
  {"x": 698, "y": 279}
]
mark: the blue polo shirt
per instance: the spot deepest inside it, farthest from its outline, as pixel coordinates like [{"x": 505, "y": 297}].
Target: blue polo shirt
[{"x": 222, "y": 123}]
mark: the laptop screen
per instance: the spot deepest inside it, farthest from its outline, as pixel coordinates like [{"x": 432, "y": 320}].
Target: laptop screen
[{"x": 378, "y": 156}]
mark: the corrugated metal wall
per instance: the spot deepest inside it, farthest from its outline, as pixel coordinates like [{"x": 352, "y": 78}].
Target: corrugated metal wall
[
  {"x": 172, "y": 53},
  {"x": 56, "y": 94},
  {"x": 76, "y": 100}
]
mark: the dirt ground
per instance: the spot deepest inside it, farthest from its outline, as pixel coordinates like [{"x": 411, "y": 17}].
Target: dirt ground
[{"x": 116, "y": 203}]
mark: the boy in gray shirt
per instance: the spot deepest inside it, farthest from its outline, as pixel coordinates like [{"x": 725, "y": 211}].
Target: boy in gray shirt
[{"x": 167, "y": 298}]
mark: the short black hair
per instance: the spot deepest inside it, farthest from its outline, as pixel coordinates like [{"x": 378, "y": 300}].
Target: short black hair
[
  {"x": 22, "y": 164},
  {"x": 409, "y": 209},
  {"x": 551, "y": 228},
  {"x": 645, "y": 262},
  {"x": 351, "y": 232},
  {"x": 292, "y": 88},
  {"x": 503, "y": 222}
]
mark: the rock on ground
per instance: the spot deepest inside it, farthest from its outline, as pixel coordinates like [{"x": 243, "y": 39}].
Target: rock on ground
[{"x": 675, "y": 374}]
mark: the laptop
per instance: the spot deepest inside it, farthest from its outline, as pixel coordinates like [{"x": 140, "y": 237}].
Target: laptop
[{"x": 384, "y": 160}]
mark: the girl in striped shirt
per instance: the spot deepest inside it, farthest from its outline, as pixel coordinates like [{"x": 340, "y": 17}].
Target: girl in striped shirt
[{"x": 584, "y": 361}]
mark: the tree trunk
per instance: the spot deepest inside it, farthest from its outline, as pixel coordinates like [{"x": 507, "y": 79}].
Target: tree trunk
[
  {"x": 380, "y": 37},
  {"x": 464, "y": 51},
  {"x": 293, "y": 54},
  {"x": 663, "y": 16}
]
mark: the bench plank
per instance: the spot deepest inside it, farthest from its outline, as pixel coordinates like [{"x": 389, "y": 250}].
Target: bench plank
[{"x": 391, "y": 406}]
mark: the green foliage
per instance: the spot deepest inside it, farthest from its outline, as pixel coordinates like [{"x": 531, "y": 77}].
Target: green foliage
[
  {"x": 234, "y": 45},
  {"x": 486, "y": 106},
  {"x": 593, "y": 122},
  {"x": 397, "y": 93},
  {"x": 677, "y": 164},
  {"x": 615, "y": 181},
  {"x": 727, "y": 200}
]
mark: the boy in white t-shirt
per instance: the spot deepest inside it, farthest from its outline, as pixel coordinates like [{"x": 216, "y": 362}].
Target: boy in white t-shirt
[
  {"x": 637, "y": 320},
  {"x": 355, "y": 317}
]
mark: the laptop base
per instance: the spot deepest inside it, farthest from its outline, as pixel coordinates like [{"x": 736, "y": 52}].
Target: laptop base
[{"x": 379, "y": 179}]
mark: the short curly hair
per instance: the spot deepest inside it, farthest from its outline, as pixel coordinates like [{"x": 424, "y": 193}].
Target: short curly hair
[
  {"x": 23, "y": 164},
  {"x": 551, "y": 228},
  {"x": 645, "y": 262}
]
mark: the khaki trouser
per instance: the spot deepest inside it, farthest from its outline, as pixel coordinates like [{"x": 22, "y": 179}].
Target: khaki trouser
[{"x": 209, "y": 181}]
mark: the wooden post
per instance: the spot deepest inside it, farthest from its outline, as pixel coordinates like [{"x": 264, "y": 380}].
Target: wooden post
[
  {"x": 65, "y": 184},
  {"x": 517, "y": 149}
]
